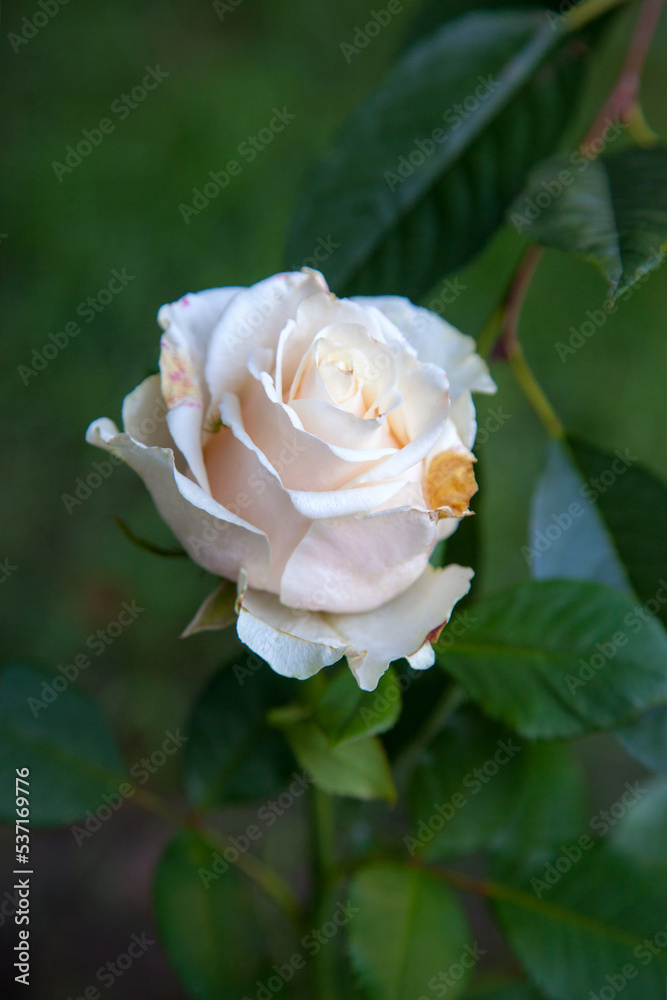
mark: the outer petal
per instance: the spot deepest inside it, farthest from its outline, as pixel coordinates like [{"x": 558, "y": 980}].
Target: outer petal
[
  {"x": 254, "y": 318},
  {"x": 188, "y": 324},
  {"x": 437, "y": 341},
  {"x": 402, "y": 627},
  {"x": 298, "y": 644},
  {"x": 215, "y": 538},
  {"x": 293, "y": 643},
  {"x": 354, "y": 564}
]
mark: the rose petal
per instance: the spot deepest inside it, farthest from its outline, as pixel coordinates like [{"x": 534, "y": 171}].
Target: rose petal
[
  {"x": 354, "y": 564},
  {"x": 215, "y": 538}
]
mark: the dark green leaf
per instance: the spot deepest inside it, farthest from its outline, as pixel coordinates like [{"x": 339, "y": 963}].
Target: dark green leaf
[
  {"x": 409, "y": 932},
  {"x": 611, "y": 211},
  {"x": 642, "y": 831},
  {"x": 558, "y": 658},
  {"x": 206, "y": 924},
  {"x": 394, "y": 230},
  {"x": 600, "y": 516},
  {"x": 62, "y": 737},
  {"x": 358, "y": 769},
  {"x": 514, "y": 991},
  {"x": 479, "y": 786},
  {"x": 646, "y": 739},
  {"x": 232, "y": 754},
  {"x": 579, "y": 925},
  {"x": 345, "y": 713}
]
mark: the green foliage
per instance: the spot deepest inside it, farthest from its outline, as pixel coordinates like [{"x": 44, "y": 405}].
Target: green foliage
[
  {"x": 408, "y": 932},
  {"x": 64, "y": 740},
  {"x": 479, "y": 786},
  {"x": 231, "y": 754},
  {"x": 208, "y": 928},
  {"x": 475, "y": 108},
  {"x": 359, "y": 769},
  {"x": 345, "y": 713},
  {"x": 588, "y": 921},
  {"x": 559, "y": 658},
  {"x": 611, "y": 211}
]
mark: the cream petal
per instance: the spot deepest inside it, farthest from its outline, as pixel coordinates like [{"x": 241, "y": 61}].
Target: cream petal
[
  {"x": 436, "y": 340},
  {"x": 294, "y": 644},
  {"x": 254, "y": 318},
  {"x": 355, "y": 564},
  {"x": 299, "y": 644},
  {"x": 401, "y": 627},
  {"x": 187, "y": 326},
  {"x": 145, "y": 412},
  {"x": 213, "y": 537}
]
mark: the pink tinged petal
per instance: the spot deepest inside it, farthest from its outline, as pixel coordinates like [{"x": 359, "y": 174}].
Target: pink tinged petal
[
  {"x": 294, "y": 644},
  {"x": 254, "y": 318},
  {"x": 337, "y": 427},
  {"x": 402, "y": 626},
  {"x": 188, "y": 324},
  {"x": 213, "y": 537},
  {"x": 355, "y": 564},
  {"x": 244, "y": 483},
  {"x": 310, "y": 502}
]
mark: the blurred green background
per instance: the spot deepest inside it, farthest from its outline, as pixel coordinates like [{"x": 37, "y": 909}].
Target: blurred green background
[{"x": 119, "y": 209}]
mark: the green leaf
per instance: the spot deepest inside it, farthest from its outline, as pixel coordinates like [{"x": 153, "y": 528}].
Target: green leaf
[
  {"x": 612, "y": 211},
  {"x": 207, "y": 929},
  {"x": 582, "y": 933},
  {"x": 642, "y": 831},
  {"x": 600, "y": 516},
  {"x": 478, "y": 786},
  {"x": 646, "y": 739},
  {"x": 513, "y": 991},
  {"x": 357, "y": 769},
  {"x": 474, "y": 108},
  {"x": 345, "y": 713},
  {"x": 232, "y": 754},
  {"x": 557, "y": 658},
  {"x": 217, "y": 611},
  {"x": 409, "y": 930},
  {"x": 62, "y": 737}
]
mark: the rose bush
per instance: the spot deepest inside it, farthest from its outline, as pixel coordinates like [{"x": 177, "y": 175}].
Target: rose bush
[{"x": 314, "y": 450}]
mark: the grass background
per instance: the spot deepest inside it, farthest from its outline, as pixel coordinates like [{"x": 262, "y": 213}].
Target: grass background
[{"x": 120, "y": 209}]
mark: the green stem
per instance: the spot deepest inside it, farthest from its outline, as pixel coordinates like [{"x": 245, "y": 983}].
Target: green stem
[
  {"x": 445, "y": 708},
  {"x": 273, "y": 884},
  {"x": 589, "y": 10},
  {"x": 534, "y": 393},
  {"x": 324, "y": 865}
]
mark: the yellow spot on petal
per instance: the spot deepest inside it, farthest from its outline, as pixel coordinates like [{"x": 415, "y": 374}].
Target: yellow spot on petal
[
  {"x": 450, "y": 483},
  {"x": 178, "y": 377}
]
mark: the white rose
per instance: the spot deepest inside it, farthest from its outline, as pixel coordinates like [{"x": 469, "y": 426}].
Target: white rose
[{"x": 314, "y": 450}]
